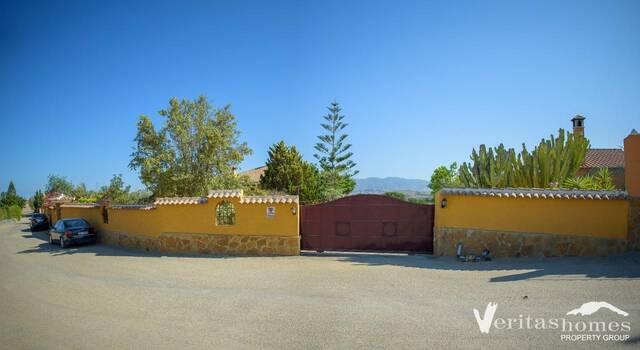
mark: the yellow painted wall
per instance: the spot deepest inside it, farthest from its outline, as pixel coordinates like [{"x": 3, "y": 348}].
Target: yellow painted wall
[
  {"x": 251, "y": 219},
  {"x": 596, "y": 218}
]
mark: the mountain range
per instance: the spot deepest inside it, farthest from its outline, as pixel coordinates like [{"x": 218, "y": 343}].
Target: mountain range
[{"x": 391, "y": 184}]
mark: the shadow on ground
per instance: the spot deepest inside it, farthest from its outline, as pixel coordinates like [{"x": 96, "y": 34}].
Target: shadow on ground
[
  {"x": 623, "y": 266},
  {"x": 98, "y": 249}
]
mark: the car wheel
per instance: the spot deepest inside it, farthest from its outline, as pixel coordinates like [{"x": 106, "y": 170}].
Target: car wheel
[{"x": 62, "y": 245}]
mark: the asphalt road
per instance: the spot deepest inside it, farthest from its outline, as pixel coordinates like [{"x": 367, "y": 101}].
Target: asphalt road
[{"x": 99, "y": 297}]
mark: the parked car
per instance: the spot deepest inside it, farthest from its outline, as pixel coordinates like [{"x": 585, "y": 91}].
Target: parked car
[
  {"x": 39, "y": 222},
  {"x": 72, "y": 231}
]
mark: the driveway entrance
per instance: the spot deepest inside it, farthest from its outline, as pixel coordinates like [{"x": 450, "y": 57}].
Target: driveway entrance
[{"x": 367, "y": 222}]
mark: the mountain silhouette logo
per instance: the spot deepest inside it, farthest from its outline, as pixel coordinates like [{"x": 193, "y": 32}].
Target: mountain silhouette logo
[{"x": 593, "y": 306}]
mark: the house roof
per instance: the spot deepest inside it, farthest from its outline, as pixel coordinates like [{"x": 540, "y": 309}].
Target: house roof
[
  {"x": 537, "y": 193},
  {"x": 604, "y": 158},
  {"x": 254, "y": 174}
]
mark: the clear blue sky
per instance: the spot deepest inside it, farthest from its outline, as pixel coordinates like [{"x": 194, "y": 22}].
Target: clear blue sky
[{"x": 421, "y": 83}]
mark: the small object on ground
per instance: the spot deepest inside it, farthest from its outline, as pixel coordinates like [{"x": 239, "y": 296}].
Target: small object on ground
[
  {"x": 485, "y": 256},
  {"x": 525, "y": 297}
]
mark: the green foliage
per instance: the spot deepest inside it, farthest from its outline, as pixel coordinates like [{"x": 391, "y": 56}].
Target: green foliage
[
  {"x": 334, "y": 185},
  {"x": 396, "y": 195},
  {"x": 444, "y": 177},
  {"x": 15, "y": 212},
  {"x": 10, "y": 212},
  {"x": 118, "y": 192},
  {"x": 197, "y": 149},
  {"x": 11, "y": 189},
  {"x": 58, "y": 184},
  {"x": 288, "y": 172},
  {"x": 334, "y": 156},
  {"x": 10, "y": 197},
  {"x": 548, "y": 165},
  {"x": 601, "y": 180},
  {"x": 36, "y": 201}
]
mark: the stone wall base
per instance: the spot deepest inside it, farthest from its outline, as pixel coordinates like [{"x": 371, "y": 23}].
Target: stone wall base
[
  {"x": 519, "y": 244},
  {"x": 205, "y": 243}
]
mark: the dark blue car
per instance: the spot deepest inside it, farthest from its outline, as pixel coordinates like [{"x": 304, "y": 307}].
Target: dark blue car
[
  {"x": 39, "y": 222},
  {"x": 72, "y": 231}
]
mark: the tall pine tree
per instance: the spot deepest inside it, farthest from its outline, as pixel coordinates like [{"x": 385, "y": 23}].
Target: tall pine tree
[{"x": 334, "y": 155}]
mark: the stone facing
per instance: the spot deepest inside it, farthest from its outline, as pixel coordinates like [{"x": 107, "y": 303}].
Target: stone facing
[
  {"x": 204, "y": 243},
  {"x": 520, "y": 244}
]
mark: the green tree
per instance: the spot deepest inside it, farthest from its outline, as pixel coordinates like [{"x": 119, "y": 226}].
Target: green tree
[
  {"x": 116, "y": 191},
  {"x": 548, "y": 165},
  {"x": 37, "y": 201},
  {"x": 288, "y": 172},
  {"x": 444, "y": 177},
  {"x": 58, "y": 184},
  {"x": 197, "y": 149},
  {"x": 334, "y": 156},
  {"x": 80, "y": 191},
  {"x": 11, "y": 198},
  {"x": 11, "y": 189}
]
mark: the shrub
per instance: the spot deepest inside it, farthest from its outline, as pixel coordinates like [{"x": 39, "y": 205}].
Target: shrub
[
  {"x": 601, "y": 180},
  {"x": 15, "y": 212},
  {"x": 3, "y": 213}
]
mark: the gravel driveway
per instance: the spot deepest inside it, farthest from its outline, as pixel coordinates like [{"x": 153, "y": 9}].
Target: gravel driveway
[{"x": 99, "y": 297}]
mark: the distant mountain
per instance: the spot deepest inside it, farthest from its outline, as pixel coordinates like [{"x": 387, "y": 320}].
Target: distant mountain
[{"x": 390, "y": 184}]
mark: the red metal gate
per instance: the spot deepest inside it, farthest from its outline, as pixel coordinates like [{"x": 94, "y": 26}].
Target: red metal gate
[{"x": 367, "y": 222}]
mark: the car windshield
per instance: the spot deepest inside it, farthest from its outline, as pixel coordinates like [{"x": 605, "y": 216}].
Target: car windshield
[{"x": 75, "y": 223}]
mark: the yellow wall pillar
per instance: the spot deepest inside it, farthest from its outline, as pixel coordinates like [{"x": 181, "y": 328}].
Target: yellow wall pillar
[
  {"x": 632, "y": 182},
  {"x": 632, "y": 163}
]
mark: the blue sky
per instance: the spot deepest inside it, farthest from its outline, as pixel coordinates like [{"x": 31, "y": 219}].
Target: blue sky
[{"x": 421, "y": 83}]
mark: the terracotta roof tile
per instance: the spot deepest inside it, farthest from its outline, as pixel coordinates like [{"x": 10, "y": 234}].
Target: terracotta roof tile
[
  {"x": 179, "y": 200},
  {"x": 224, "y": 193},
  {"x": 80, "y": 205},
  {"x": 133, "y": 206},
  {"x": 537, "y": 193},
  {"x": 269, "y": 199},
  {"x": 604, "y": 158}
]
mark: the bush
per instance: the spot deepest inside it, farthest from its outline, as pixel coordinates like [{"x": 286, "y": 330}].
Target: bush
[
  {"x": 12, "y": 212},
  {"x": 15, "y": 212}
]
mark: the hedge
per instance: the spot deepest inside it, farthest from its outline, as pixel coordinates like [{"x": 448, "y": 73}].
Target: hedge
[{"x": 12, "y": 212}]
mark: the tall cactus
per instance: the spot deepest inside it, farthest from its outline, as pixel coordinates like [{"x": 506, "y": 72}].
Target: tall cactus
[{"x": 548, "y": 165}]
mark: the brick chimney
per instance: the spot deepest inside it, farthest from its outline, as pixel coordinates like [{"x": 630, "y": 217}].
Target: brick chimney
[
  {"x": 632, "y": 163},
  {"x": 578, "y": 125}
]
